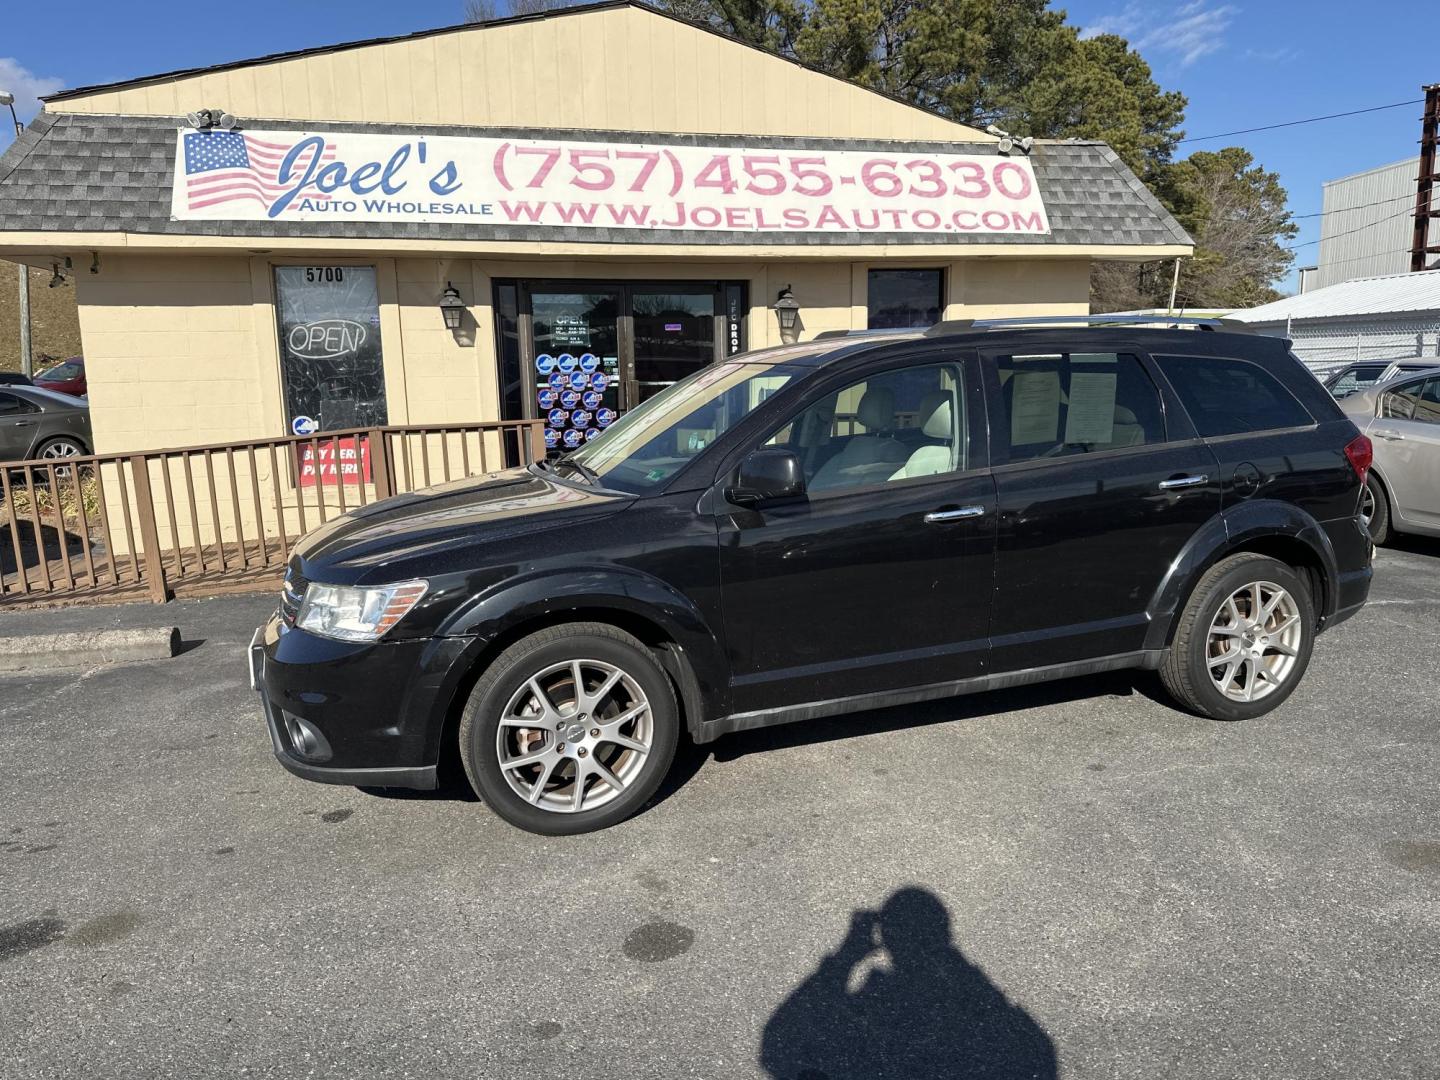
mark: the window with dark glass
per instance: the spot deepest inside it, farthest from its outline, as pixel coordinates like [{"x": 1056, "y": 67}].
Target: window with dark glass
[
  {"x": 330, "y": 352},
  {"x": 1061, "y": 404},
  {"x": 1226, "y": 396},
  {"x": 507, "y": 333},
  {"x": 905, "y": 298}
]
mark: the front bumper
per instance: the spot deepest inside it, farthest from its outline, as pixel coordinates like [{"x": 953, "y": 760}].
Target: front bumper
[{"x": 369, "y": 715}]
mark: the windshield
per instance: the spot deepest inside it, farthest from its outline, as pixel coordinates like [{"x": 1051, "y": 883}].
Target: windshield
[{"x": 651, "y": 443}]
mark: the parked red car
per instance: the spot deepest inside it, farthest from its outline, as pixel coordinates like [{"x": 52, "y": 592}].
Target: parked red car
[{"x": 64, "y": 378}]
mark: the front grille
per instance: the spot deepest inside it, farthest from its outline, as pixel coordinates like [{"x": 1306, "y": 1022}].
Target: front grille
[{"x": 291, "y": 595}]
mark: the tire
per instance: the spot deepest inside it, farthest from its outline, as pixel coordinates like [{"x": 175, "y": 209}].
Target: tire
[
  {"x": 1203, "y": 634},
  {"x": 563, "y": 739},
  {"x": 1379, "y": 524},
  {"x": 61, "y": 447}
]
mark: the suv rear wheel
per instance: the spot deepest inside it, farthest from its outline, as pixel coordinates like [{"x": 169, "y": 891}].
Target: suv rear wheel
[
  {"x": 570, "y": 730},
  {"x": 1243, "y": 641},
  {"x": 1375, "y": 510}
]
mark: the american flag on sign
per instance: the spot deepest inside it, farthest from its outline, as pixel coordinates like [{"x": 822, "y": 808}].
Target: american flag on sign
[{"x": 223, "y": 166}]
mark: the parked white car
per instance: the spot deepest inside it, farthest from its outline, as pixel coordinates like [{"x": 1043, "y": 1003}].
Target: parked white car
[{"x": 1402, "y": 418}]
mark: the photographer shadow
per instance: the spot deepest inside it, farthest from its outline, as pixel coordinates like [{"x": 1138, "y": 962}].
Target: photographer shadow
[{"x": 930, "y": 1014}]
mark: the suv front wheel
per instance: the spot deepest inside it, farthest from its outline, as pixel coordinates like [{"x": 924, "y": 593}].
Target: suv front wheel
[
  {"x": 1243, "y": 641},
  {"x": 570, "y": 730}
]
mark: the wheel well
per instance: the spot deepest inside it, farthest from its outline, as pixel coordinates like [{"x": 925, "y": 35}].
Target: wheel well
[
  {"x": 1298, "y": 555},
  {"x": 650, "y": 633}
]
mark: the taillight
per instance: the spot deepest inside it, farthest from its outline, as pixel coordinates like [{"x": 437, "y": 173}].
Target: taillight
[{"x": 1360, "y": 452}]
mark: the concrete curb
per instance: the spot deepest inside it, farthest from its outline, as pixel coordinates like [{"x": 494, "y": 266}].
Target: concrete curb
[{"x": 58, "y": 652}]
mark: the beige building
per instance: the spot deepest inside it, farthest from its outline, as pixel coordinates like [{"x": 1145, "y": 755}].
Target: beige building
[{"x": 601, "y": 200}]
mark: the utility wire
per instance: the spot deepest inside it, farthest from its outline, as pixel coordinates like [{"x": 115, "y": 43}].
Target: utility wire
[
  {"x": 1297, "y": 123},
  {"x": 1407, "y": 212},
  {"x": 1352, "y": 209}
]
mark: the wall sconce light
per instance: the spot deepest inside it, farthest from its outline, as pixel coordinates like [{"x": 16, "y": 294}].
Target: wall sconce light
[
  {"x": 787, "y": 312},
  {"x": 452, "y": 308}
]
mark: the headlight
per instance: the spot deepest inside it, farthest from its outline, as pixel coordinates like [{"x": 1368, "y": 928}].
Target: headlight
[{"x": 349, "y": 613}]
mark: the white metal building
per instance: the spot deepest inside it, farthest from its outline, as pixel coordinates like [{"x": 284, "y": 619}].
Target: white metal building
[
  {"x": 1367, "y": 227},
  {"x": 1372, "y": 318}
]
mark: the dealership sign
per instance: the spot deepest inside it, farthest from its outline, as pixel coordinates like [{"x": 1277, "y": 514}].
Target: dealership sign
[{"x": 303, "y": 176}]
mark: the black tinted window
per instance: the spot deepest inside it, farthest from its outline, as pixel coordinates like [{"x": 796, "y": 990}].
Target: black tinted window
[
  {"x": 1059, "y": 404},
  {"x": 900, "y": 298},
  {"x": 1225, "y": 396},
  {"x": 10, "y": 405}
]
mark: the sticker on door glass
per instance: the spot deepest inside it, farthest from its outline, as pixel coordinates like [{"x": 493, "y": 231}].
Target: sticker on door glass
[
  {"x": 544, "y": 363},
  {"x": 304, "y": 425},
  {"x": 580, "y": 418},
  {"x": 558, "y": 418},
  {"x": 569, "y": 399},
  {"x": 552, "y": 438},
  {"x": 594, "y": 431},
  {"x": 566, "y": 362},
  {"x": 605, "y": 417},
  {"x": 598, "y": 382},
  {"x": 546, "y": 397},
  {"x": 590, "y": 399},
  {"x": 579, "y": 380},
  {"x": 589, "y": 362},
  {"x": 572, "y": 438}
]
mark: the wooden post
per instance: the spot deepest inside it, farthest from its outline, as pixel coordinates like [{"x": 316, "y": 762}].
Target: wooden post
[
  {"x": 380, "y": 464},
  {"x": 149, "y": 535},
  {"x": 537, "y": 440}
]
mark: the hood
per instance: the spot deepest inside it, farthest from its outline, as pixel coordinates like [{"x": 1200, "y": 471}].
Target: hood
[{"x": 453, "y": 516}]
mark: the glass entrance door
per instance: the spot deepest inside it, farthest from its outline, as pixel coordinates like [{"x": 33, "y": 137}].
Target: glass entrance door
[
  {"x": 674, "y": 335},
  {"x": 577, "y": 354},
  {"x": 577, "y": 363}
]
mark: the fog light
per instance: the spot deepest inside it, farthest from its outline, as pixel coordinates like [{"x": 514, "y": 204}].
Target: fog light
[{"x": 305, "y": 739}]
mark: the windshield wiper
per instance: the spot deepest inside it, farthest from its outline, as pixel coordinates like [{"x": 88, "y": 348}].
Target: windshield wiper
[{"x": 590, "y": 475}]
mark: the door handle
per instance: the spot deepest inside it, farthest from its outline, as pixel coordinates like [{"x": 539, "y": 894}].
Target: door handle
[
  {"x": 1182, "y": 482},
  {"x": 954, "y": 515},
  {"x": 1389, "y": 434},
  {"x": 22, "y": 423}
]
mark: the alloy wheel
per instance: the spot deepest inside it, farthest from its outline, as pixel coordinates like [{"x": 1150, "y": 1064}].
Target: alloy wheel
[
  {"x": 1254, "y": 641},
  {"x": 61, "y": 448},
  {"x": 1367, "y": 506},
  {"x": 575, "y": 736}
]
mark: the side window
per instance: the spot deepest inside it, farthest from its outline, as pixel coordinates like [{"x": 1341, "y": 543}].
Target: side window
[
  {"x": 1061, "y": 404},
  {"x": 1403, "y": 403},
  {"x": 1346, "y": 385},
  {"x": 1414, "y": 401},
  {"x": 890, "y": 426},
  {"x": 1428, "y": 407},
  {"x": 10, "y": 405},
  {"x": 1226, "y": 396}
]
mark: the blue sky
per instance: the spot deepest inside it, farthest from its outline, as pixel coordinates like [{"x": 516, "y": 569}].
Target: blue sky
[{"x": 1242, "y": 64}]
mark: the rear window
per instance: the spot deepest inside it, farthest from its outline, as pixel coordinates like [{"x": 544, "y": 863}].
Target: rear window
[{"x": 1226, "y": 396}]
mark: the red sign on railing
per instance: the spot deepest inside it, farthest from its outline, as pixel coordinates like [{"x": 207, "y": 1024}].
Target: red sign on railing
[{"x": 353, "y": 466}]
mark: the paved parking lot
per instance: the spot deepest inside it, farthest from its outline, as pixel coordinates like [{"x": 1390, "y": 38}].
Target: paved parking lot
[{"x": 1070, "y": 880}]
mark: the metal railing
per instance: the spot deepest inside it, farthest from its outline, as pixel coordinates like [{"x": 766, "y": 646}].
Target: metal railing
[{"x": 204, "y": 518}]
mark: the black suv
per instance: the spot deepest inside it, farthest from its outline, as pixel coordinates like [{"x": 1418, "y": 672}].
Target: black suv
[{"x": 853, "y": 522}]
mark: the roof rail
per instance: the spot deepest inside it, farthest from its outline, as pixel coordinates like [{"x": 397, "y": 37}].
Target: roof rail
[{"x": 955, "y": 326}]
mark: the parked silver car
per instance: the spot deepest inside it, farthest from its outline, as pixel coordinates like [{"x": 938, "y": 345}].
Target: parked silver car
[
  {"x": 36, "y": 423},
  {"x": 1402, "y": 418}
]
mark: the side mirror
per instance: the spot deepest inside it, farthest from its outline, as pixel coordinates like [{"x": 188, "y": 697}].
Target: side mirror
[{"x": 767, "y": 476}]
